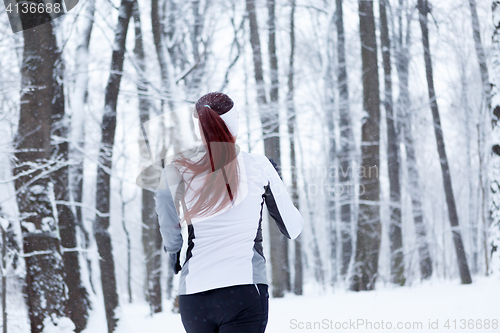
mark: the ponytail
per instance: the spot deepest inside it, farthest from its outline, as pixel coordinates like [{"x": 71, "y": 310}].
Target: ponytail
[
  {"x": 214, "y": 129},
  {"x": 220, "y": 162}
]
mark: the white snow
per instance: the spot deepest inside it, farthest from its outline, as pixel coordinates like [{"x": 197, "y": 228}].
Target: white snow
[
  {"x": 4, "y": 223},
  {"x": 416, "y": 305},
  {"x": 58, "y": 325}
]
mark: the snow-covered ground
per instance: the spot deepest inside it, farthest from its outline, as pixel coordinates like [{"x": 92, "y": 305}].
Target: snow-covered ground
[{"x": 446, "y": 306}]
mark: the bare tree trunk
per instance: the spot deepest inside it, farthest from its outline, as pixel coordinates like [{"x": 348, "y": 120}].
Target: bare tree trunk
[
  {"x": 129, "y": 247},
  {"x": 78, "y": 301},
  {"x": 270, "y": 130},
  {"x": 329, "y": 109},
  {"x": 4, "y": 275},
  {"x": 78, "y": 102},
  {"x": 484, "y": 179},
  {"x": 473, "y": 222},
  {"x": 103, "y": 193},
  {"x": 150, "y": 227},
  {"x": 369, "y": 227},
  {"x": 298, "y": 278},
  {"x": 346, "y": 146},
  {"x": 450, "y": 199},
  {"x": 170, "y": 283},
  {"x": 476, "y": 33},
  {"x": 483, "y": 174},
  {"x": 199, "y": 59},
  {"x": 395, "y": 232},
  {"x": 158, "y": 28},
  {"x": 280, "y": 240},
  {"x": 44, "y": 288},
  {"x": 247, "y": 103},
  {"x": 402, "y": 65},
  {"x": 319, "y": 271},
  {"x": 494, "y": 201},
  {"x": 10, "y": 257}
]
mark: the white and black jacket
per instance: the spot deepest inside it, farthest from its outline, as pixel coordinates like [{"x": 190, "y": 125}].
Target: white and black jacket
[{"x": 225, "y": 249}]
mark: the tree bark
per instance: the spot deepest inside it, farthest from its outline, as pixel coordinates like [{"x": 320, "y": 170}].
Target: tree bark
[
  {"x": 78, "y": 102},
  {"x": 345, "y": 155},
  {"x": 103, "y": 190},
  {"x": 298, "y": 278},
  {"x": 277, "y": 238},
  {"x": 319, "y": 272},
  {"x": 129, "y": 247},
  {"x": 494, "y": 201},
  {"x": 465, "y": 277},
  {"x": 175, "y": 137},
  {"x": 10, "y": 257},
  {"x": 199, "y": 61},
  {"x": 402, "y": 65},
  {"x": 270, "y": 129},
  {"x": 395, "y": 230},
  {"x": 4, "y": 275},
  {"x": 331, "y": 160},
  {"x": 151, "y": 237},
  {"x": 369, "y": 226},
  {"x": 484, "y": 179},
  {"x": 158, "y": 28},
  {"x": 78, "y": 303},
  {"x": 483, "y": 67},
  {"x": 472, "y": 223},
  {"x": 44, "y": 288}
]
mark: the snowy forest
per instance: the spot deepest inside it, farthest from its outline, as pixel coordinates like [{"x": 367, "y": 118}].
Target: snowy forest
[{"x": 380, "y": 115}]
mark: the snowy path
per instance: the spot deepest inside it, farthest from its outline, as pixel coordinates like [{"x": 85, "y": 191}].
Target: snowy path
[{"x": 414, "y": 307}]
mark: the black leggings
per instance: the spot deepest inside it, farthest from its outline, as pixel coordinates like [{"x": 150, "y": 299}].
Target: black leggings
[{"x": 238, "y": 309}]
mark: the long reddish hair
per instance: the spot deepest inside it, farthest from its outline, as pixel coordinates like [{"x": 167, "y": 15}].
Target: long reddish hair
[{"x": 220, "y": 151}]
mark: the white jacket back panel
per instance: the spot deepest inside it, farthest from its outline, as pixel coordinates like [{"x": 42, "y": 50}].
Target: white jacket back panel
[{"x": 225, "y": 249}]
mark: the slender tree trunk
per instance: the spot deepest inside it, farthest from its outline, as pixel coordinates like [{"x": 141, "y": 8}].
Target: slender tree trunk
[
  {"x": 10, "y": 256},
  {"x": 199, "y": 59},
  {"x": 158, "y": 38},
  {"x": 482, "y": 175},
  {"x": 44, "y": 288},
  {"x": 175, "y": 137},
  {"x": 319, "y": 271},
  {"x": 346, "y": 146},
  {"x": 369, "y": 226},
  {"x": 402, "y": 64},
  {"x": 78, "y": 302},
  {"x": 247, "y": 102},
  {"x": 78, "y": 102},
  {"x": 494, "y": 202},
  {"x": 298, "y": 278},
  {"x": 150, "y": 227},
  {"x": 473, "y": 222},
  {"x": 476, "y": 33},
  {"x": 331, "y": 163},
  {"x": 450, "y": 199},
  {"x": 270, "y": 129},
  {"x": 4, "y": 275},
  {"x": 129, "y": 248},
  {"x": 103, "y": 190},
  {"x": 395, "y": 230},
  {"x": 257, "y": 59},
  {"x": 280, "y": 240}
]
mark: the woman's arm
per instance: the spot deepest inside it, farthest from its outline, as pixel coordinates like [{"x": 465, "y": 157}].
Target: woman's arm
[
  {"x": 167, "y": 214},
  {"x": 280, "y": 205}
]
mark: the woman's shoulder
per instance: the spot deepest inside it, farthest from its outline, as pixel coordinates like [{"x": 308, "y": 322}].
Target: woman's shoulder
[
  {"x": 257, "y": 158},
  {"x": 257, "y": 162}
]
